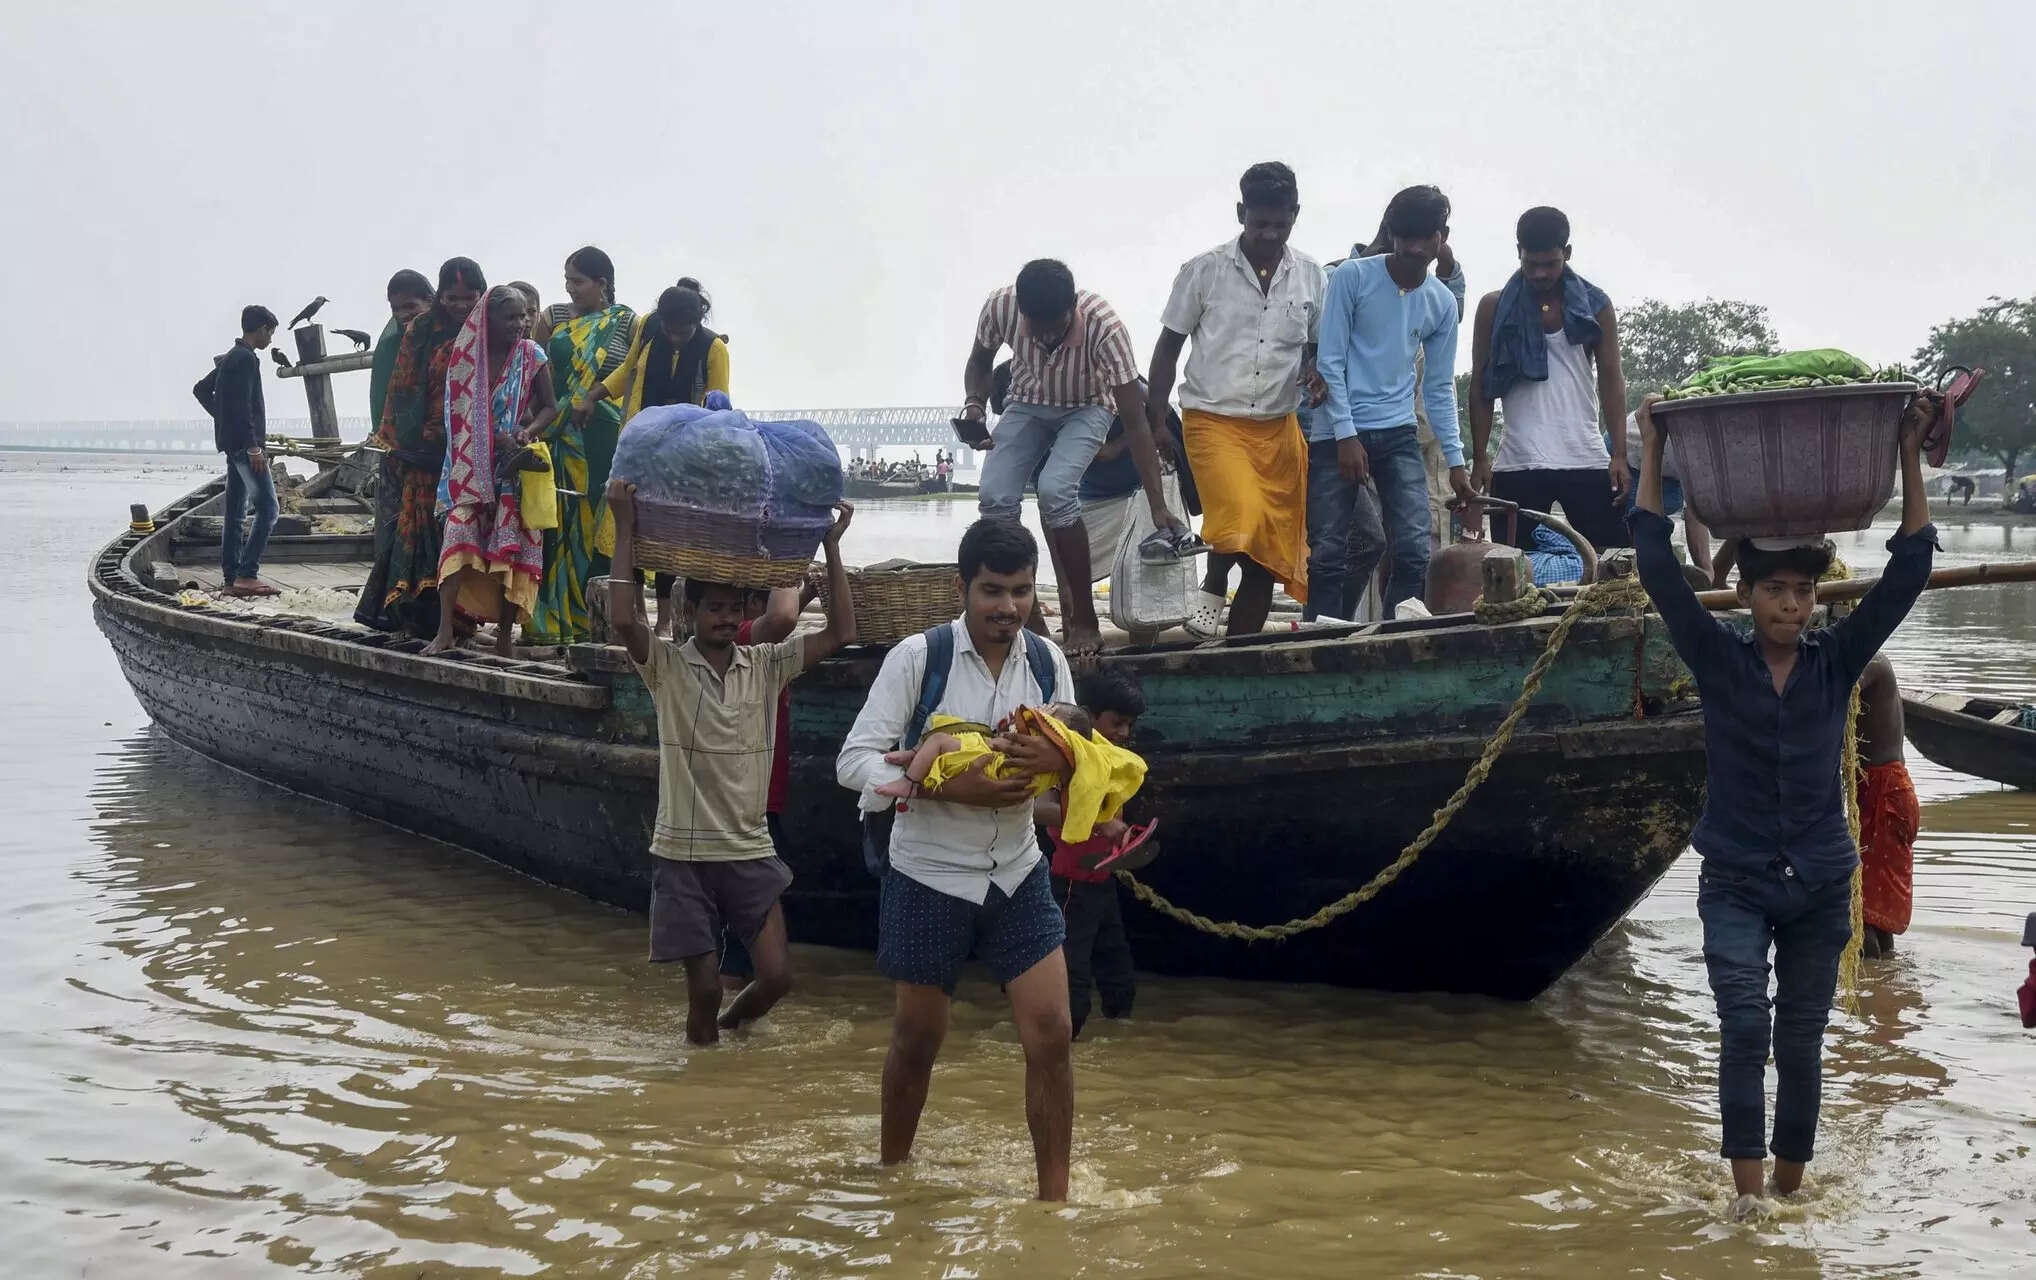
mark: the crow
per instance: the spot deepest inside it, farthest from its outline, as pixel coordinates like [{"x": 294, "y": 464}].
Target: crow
[
  {"x": 310, "y": 309},
  {"x": 276, "y": 354},
  {"x": 360, "y": 340}
]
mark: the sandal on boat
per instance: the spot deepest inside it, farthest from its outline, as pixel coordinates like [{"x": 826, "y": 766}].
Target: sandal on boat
[{"x": 1205, "y": 615}]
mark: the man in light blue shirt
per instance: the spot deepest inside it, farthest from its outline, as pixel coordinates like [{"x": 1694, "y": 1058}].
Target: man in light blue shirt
[{"x": 1379, "y": 312}]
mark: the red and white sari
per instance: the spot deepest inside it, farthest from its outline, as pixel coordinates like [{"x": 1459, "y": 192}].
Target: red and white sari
[{"x": 484, "y": 527}]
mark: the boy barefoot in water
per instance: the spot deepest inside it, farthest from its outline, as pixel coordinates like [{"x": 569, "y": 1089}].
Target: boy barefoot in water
[
  {"x": 1778, "y": 858},
  {"x": 717, "y": 704}
]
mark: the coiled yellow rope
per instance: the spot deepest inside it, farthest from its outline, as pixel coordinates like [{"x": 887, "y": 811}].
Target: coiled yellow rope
[{"x": 1599, "y": 598}]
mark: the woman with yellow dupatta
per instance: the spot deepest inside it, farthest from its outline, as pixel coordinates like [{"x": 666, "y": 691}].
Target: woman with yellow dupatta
[{"x": 590, "y": 339}]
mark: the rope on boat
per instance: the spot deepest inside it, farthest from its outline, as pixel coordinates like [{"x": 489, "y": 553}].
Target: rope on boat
[
  {"x": 1527, "y": 606},
  {"x": 1611, "y": 596}
]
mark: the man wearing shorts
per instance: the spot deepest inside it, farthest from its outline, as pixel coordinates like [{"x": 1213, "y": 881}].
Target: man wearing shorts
[
  {"x": 965, "y": 876},
  {"x": 713, "y": 862}
]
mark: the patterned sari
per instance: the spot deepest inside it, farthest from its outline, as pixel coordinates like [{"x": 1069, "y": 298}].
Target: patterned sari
[
  {"x": 402, "y": 587},
  {"x": 484, "y": 527},
  {"x": 584, "y": 349}
]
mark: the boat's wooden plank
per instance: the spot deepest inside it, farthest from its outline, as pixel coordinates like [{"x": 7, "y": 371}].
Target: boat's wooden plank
[{"x": 1952, "y": 702}]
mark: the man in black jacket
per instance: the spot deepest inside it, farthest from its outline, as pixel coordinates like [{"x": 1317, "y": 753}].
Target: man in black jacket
[{"x": 240, "y": 430}]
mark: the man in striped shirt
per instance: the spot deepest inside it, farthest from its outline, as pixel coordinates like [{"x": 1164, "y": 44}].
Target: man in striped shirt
[{"x": 1071, "y": 359}]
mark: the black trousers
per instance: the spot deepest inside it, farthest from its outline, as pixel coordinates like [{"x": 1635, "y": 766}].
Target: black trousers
[
  {"x": 1097, "y": 950},
  {"x": 1585, "y": 494}
]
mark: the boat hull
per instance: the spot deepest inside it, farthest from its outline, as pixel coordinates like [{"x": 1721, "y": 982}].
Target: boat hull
[
  {"x": 1284, "y": 775},
  {"x": 1969, "y": 744}
]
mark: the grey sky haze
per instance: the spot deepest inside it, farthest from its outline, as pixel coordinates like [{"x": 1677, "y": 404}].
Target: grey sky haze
[{"x": 850, "y": 180}]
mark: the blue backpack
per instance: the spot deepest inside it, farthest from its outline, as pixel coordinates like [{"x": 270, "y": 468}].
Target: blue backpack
[{"x": 876, "y": 827}]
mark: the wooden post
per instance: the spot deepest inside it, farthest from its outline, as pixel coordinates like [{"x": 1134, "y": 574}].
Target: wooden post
[{"x": 317, "y": 386}]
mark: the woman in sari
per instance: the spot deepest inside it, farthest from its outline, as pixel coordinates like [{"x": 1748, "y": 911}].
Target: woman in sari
[
  {"x": 490, "y": 562},
  {"x": 401, "y": 591},
  {"x": 590, "y": 338}
]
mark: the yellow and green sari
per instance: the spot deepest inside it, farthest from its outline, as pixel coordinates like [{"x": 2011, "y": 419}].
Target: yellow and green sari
[{"x": 584, "y": 350}]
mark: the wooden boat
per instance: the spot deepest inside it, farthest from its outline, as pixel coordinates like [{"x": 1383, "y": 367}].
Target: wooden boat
[
  {"x": 1984, "y": 737},
  {"x": 1286, "y": 770},
  {"x": 863, "y": 489}
]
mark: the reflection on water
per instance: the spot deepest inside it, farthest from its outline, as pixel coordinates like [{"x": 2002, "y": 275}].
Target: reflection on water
[{"x": 244, "y": 1031}]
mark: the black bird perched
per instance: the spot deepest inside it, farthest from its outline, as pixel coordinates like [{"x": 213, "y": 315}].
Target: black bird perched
[
  {"x": 282, "y": 361},
  {"x": 311, "y": 309},
  {"x": 360, "y": 340}
]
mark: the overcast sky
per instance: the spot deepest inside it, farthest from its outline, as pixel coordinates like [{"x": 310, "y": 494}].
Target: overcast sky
[{"x": 850, "y": 179}]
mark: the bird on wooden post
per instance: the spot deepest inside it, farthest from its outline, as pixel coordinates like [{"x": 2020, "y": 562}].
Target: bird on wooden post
[
  {"x": 310, "y": 309},
  {"x": 360, "y": 340},
  {"x": 276, "y": 354}
]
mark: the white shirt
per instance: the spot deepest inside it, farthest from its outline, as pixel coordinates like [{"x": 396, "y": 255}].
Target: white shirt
[
  {"x": 1554, "y": 425},
  {"x": 1245, "y": 360},
  {"x": 957, "y": 849}
]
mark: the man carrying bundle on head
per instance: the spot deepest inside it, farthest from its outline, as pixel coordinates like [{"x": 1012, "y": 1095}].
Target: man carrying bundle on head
[
  {"x": 1778, "y": 856},
  {"x": 717, "y": 726}
]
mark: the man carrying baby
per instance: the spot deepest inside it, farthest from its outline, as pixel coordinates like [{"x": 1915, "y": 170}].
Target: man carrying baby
[{"x": 965, "y": 873}]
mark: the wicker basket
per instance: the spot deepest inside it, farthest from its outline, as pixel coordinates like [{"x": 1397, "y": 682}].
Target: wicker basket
[
  {"x": 710, "y": 547},
  {"x": 897, "y": 599}
]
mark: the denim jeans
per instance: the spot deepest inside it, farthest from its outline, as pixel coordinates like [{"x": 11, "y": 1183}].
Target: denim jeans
[
  {"x": 1744, "y": 916},
  {"x": 1401, "y": 480},
  {"x": 1027, "y": 435},
  {"x": 242, "y": 482},
  {"x": 1346, "y": 539}
]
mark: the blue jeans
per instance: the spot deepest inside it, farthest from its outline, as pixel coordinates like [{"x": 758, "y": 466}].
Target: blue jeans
[
  {"x": 1065, "y": 440},
  {"x": 1346, "y": 537},
  {"x": 1746, "y": 914},
  {"x": 242, "y": 482},
  {"x": 1401, "y": 479}
]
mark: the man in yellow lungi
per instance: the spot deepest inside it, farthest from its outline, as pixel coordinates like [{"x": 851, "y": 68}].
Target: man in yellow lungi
[{"x": 1252, "y": 306}]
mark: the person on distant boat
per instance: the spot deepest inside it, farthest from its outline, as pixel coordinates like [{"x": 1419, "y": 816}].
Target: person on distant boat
[
  {"x": 1252, "y": 305},
  {"x": 714, "y": 861},
  {"x": 1379, "y": 311},
  {"x": 963, "y": 873},
  {"x": 401, "y": 593},
  {"x": 241, "y": 431},
  {"x": 1778, "y": 857},
  {"x": 1548, "y": 346},
  {"x": 1889, "y": 814},
  {"x": 590, "y": 339},
  {"x": 495, "y": 389},
  {"x": 409, "y": 294},
  {"x": 1071, "y": 358}
]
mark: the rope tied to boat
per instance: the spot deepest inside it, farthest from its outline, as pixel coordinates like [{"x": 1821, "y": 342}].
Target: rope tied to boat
[{"x": 1600, "y": 598}]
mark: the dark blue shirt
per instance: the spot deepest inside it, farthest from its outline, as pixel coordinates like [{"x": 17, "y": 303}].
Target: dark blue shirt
[
  {"x": 1773, "y": 759},
  {"x": 239, "y": 421}
]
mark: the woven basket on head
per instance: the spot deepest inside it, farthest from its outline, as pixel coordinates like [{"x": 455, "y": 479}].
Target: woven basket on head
[
  {"x": 896, "y": 600},
  {"x": 714, "y": 566},
  {"x": 713, "y": 547}
]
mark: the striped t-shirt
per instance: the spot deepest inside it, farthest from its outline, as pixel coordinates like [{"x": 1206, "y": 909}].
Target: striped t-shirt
[{"x": 1093, "y": 358}]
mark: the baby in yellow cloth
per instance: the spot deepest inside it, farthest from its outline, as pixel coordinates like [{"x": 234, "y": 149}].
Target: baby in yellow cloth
[{"x": 1099, "y": 775}]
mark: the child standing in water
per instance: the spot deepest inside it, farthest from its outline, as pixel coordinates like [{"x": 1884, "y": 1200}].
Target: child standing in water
[{"x": 1778, "y": 857}]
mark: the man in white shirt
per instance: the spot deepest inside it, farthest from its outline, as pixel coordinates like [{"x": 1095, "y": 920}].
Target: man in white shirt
[
  {"x": 965, "y": 873},
  {"x": 1252, "y": 306}
]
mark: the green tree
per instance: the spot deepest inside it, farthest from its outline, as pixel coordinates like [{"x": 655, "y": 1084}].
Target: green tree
[
  {"x": 2000, "y": 419},
  {"x": 1661, "y": 345}
]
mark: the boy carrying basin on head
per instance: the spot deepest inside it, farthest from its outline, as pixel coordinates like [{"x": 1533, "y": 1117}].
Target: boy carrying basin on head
[{"x": 1778, "y": 858}]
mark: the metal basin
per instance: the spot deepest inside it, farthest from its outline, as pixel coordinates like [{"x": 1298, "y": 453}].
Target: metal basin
[{"x": 1782, "y": 464}]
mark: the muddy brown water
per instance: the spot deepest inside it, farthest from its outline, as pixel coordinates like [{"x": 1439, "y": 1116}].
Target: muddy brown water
[{"x": 244, "y": 1033}]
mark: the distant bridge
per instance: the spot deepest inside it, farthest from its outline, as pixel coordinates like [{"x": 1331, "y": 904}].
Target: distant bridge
[{"x": 857, "y": 432}]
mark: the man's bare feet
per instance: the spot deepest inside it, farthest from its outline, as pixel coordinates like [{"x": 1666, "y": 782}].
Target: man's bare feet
[
  {"x": 1788, "y": 1177},
  {"x": 1750, "y": 1208},
  {"x": 443, "y": 642},
  {"x": 1081, "y": 642}
]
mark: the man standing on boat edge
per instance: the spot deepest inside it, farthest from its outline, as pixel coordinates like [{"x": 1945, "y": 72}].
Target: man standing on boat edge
[
  {"x": 1071, "y": 357},
  {"x": 1252, "y": 306},
  {"x": 714, "y": 862},
  {"x": 964, "y": 873},
  {"x": 1378, "y": 312},
  {"x": 232, "y": 393}
]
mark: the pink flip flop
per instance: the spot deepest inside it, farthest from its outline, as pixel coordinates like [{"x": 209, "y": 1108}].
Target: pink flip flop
[{"x": 1125, "y": 856}]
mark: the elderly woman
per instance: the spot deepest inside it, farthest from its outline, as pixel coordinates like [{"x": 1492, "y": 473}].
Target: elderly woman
[
  {"x": 590, "y": 339},
  {"x": 401, "y": 591},
  {"x": 490, "y": 562}
]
